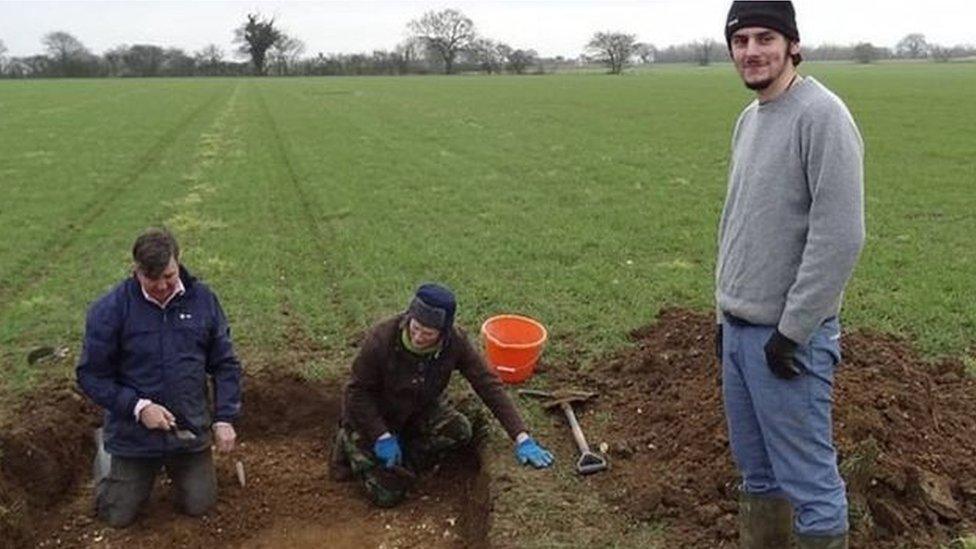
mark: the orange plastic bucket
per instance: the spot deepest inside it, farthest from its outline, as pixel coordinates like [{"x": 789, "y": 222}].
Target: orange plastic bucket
[{"x": 513, "y": 344}]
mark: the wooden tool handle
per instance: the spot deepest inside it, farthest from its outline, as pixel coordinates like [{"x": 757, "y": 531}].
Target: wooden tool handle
[{"x": 574, "y": 425}]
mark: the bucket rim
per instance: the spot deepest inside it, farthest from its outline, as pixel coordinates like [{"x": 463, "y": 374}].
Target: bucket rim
[{"x": 495, "y": 341}]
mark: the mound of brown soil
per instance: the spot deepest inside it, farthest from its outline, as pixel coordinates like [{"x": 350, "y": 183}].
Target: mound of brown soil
[
  {"x": 285, "y": 437},
  {"x": 905, "y": 430},
  {"x": 39, "y": 450}
]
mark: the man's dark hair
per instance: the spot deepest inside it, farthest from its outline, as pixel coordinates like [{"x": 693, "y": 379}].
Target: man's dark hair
[
  {"x": 153, "y": 250},
  {"x": 796, "y": 57}
]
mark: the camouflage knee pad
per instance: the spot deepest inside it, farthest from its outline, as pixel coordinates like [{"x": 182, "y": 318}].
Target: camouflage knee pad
[
  {"x": 442, "y": 430},
  {"x": 383, "y": 487}
]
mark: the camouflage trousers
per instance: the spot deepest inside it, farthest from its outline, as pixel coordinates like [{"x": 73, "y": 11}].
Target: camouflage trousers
[{"x": 424, "y": 443}]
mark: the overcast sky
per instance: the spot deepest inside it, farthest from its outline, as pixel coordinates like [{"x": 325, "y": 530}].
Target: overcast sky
[{"x": 550, "y": 27}]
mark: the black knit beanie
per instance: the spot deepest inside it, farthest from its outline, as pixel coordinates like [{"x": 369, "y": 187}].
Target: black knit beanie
[
  {"x": 433, "y": 306},
  {"x": 778, "y": 16}
]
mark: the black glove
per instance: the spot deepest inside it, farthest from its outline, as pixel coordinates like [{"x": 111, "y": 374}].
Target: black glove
[
  {"x": 718, "y": 342},
  {"x": 780, "y": 352}
]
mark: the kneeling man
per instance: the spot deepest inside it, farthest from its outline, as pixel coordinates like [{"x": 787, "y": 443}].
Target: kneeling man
[
  {"x": 151, "y": 343},
  {"x": 396, "y": 419}
]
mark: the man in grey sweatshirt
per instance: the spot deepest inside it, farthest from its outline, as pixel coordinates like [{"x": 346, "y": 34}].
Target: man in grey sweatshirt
[{"x": 790, "y": 235}]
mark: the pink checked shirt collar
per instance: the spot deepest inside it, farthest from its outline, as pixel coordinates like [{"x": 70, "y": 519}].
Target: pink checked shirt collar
[{"x": 178, "y": 291}]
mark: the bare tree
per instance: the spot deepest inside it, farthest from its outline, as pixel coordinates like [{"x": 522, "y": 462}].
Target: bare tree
[
  {"x": 704, "y": 51},
  {"x": 144, "y": 60},
  {"x": 446, "y": 33},
  {"x": 285, "y": 53},
  {"x": 36, "y": 65},
  {"x": 177, "y": 63},
  {"x": 488, "y": 54},
  {"x": 520, "y": 60},
  {"x": 612, "y": 48},
  {"x": 912, "y": 46},
  {"x": 209, "y": 59},
  {"x": 113, "y": 60},
  {"x": 940, "y": 54},
  {"x": 19, "y": 67},
  {"x": 255, "y": 37},
  {"x": 62, "y": 46},
  {"x": 409, "y": 53},
  {"x": 865, "y": 52},
  {"x": 69, "y": 57},
  {"x": 647, "y": 53}
]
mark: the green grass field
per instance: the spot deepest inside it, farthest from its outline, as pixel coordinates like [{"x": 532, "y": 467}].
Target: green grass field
[{"x": 588, "y": 201}]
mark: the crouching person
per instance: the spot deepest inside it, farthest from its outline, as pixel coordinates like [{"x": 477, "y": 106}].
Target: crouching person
[
  {"x": 151, "y": 343},
  {"x": 395, "y": 418}
]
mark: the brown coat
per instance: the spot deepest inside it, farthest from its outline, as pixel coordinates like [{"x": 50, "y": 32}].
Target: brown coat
[{"x": 388, "y": 388}]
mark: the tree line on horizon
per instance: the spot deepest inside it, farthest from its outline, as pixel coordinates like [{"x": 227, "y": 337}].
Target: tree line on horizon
[{"x": 443, "y": 41}]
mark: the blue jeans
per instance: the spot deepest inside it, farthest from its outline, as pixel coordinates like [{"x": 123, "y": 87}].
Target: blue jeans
[{"x": 780, "y": 430}]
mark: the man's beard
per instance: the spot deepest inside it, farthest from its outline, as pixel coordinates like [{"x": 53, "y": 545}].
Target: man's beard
[{"x": 760, "y": 85}]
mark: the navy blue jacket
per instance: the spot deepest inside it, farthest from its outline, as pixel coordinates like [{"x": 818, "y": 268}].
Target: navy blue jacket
[{"x": 134, "y": 349}]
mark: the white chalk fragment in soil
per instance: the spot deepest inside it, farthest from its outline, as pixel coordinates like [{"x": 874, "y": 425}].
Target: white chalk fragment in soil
[{"x": 241, "y": 477}]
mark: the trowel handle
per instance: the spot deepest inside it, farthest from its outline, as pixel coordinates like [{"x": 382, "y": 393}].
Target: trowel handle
[
  {"x": 574, "y": 425},
  {"x": 103, "y": 460}
]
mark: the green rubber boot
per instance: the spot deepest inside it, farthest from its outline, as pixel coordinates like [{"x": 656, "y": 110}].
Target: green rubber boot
[
  {"x": 821, "y": 542},
  {"x": 764, "y": 522}
]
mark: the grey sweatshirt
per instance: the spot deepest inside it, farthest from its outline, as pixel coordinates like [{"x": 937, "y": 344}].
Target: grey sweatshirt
[{"x": 793, "y": 223}]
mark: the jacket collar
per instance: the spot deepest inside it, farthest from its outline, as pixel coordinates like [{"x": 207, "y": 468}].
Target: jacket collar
[
  {"x": 189, "y": 282},
  {"x": 401, "y": 325}
]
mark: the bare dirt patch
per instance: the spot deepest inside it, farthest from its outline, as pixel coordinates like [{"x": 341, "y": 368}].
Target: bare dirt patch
[
  {"x": 285, "y": 438},
  {"x": 905, "y": 430}
]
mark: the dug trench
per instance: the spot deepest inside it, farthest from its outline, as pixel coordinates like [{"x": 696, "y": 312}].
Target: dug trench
[
  {"x": 287, "y": 500},
  {"x": 905, "y": 429}
]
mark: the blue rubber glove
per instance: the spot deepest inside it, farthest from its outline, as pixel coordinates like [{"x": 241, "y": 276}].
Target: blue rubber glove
[
  {"x": 388, "y": 450},
  {"x": 530, "y": 451}
]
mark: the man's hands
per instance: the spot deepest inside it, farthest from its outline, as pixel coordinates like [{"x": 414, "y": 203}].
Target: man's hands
[
  {"x": 530, "y": 451},
  {"x": 387, "y": 449},
  {"x": 154, "y": 416},
  {"x": 780, "y": 351},
  {"x": 157, "y": 417},
  {"x": 225, "y": 436}
]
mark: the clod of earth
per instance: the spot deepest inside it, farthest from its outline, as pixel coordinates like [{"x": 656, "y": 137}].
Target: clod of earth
[{"x": 937, "y": 494}]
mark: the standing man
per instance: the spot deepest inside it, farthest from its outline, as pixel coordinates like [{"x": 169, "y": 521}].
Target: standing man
[
  {"x": 395, "y": 418},
  {"x": 791, "y": 232},
  {"x": 150, "y": 346}
]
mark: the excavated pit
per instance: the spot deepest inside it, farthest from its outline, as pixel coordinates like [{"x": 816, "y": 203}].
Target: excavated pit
[
  {"x": 285, "y": 438},
  {"x": 905, "y": 430}
]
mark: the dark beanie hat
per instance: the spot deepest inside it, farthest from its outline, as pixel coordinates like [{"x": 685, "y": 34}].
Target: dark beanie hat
[
  {"x": 433, "y": 306},
  {"x": 778, "y": 16}
]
